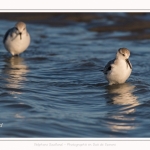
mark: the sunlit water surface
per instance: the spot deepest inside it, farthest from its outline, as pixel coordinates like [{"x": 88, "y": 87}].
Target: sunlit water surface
[{"x": 56, "y": 89}]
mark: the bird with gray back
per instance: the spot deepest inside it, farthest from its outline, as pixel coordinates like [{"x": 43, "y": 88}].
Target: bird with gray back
[{"x": 17, "y": 39}]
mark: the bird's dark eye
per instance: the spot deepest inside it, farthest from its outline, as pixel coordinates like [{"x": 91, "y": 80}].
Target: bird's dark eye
[
  {"x": 123, "y": 54},
  {"x": 16, "y": 28}
]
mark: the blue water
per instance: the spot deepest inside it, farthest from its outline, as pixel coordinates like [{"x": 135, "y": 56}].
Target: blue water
[{"x": 56, "y": 89}]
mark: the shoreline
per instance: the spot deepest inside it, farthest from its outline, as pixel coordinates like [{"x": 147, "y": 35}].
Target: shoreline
[{"x": 130, "y": 22}]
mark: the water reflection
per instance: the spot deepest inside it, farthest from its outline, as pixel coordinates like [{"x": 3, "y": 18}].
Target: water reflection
[
  {"x": 122, "y": 95},
  {"x": 15, "y": 71}
]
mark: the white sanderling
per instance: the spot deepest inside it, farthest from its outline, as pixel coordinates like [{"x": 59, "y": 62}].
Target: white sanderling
[
  {"x": 118, "y": 70},
  {"x": 17, "y": 39}
]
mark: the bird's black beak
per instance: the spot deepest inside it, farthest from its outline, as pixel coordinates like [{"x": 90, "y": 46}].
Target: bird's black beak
[
  {"x": 20, "y": 35},
  {"x": 127, "y": 60}
]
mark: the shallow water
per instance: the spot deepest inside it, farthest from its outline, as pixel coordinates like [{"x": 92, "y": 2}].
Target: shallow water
[{"x": 56, "y": 89}]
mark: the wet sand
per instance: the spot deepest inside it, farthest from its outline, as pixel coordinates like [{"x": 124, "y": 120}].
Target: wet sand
[{"x": 131, "y": 22}]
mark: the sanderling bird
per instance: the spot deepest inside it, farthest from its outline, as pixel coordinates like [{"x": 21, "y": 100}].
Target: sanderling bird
[
  {"x": 17, "y": 39},
  {"x": 118, "y": 70}
]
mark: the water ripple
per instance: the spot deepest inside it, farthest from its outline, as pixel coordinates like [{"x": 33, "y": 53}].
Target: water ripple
[{"x": 56, "y": 88}]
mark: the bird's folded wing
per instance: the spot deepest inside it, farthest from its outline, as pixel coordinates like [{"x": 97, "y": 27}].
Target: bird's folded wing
[
  {"x": 108, "y": 67},
  {"x": 6, "y": 34}
]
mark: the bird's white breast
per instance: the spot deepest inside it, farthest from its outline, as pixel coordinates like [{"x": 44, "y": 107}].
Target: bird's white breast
[
  {"x": 119, "y": 72},
  {"x": 15, "y": 45}
]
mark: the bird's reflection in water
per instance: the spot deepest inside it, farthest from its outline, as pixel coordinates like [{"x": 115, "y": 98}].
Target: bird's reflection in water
[
  {"x": 122, "y": 95},
  {"x": 15, "y": 71}
]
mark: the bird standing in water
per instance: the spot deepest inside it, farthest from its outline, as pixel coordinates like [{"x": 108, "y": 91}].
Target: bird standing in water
[
  {"x": 118, "y": 70},
  {"x": 17, "y": 39}
]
